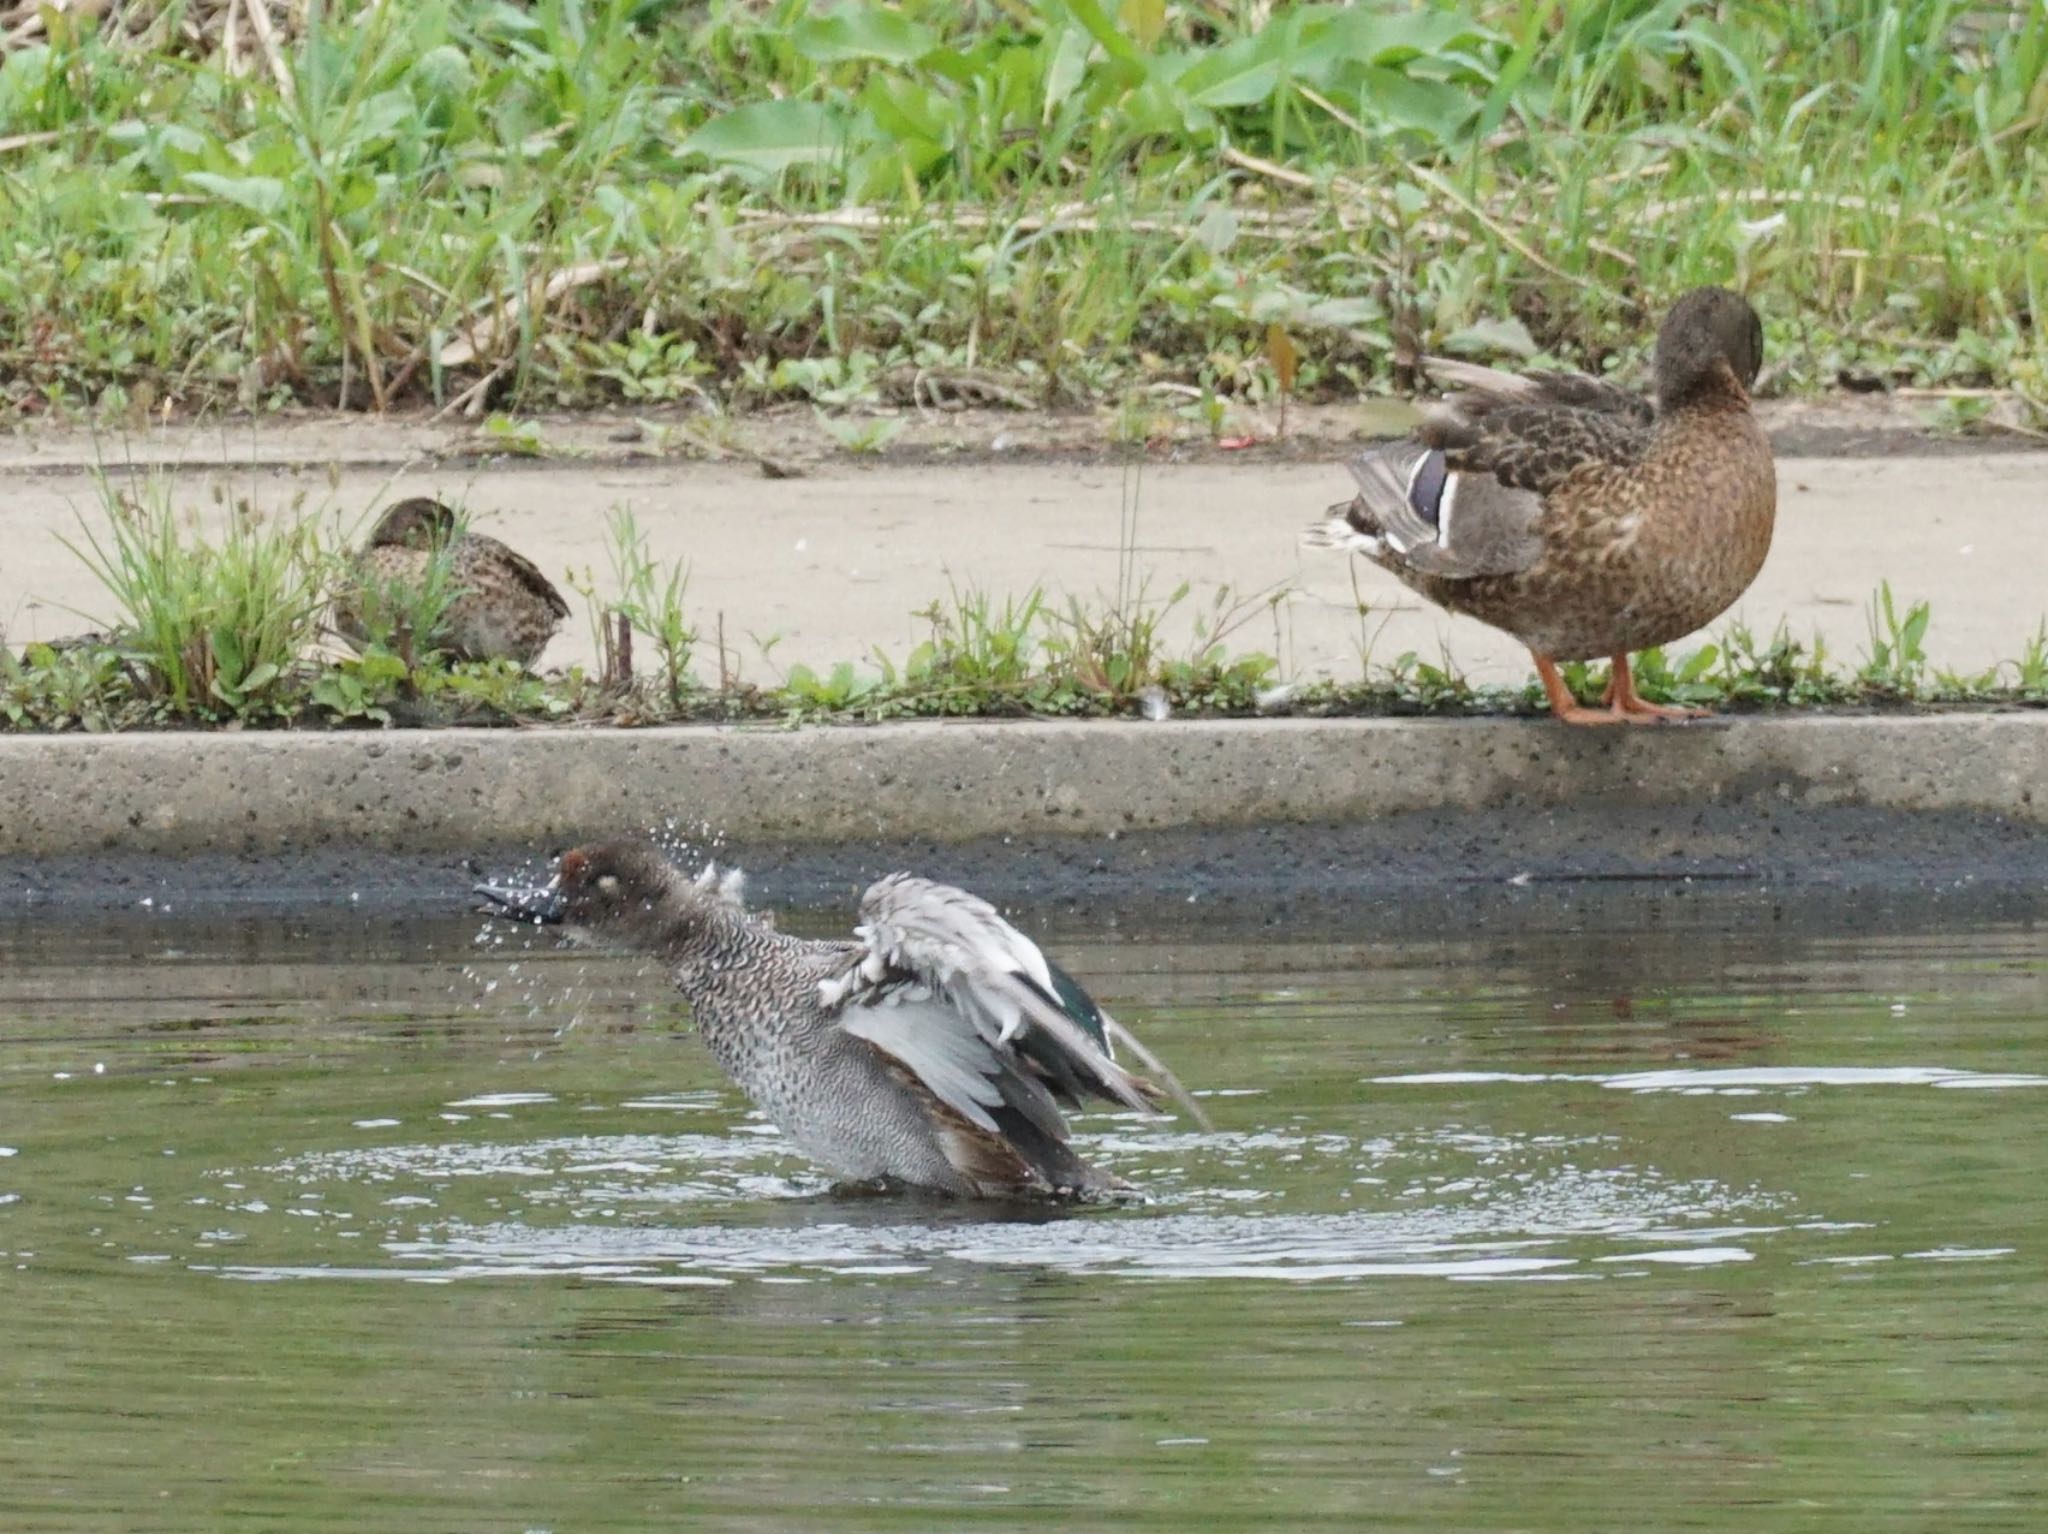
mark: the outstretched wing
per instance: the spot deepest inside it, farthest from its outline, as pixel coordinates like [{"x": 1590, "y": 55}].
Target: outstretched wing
[{"x": 972, "y": 1007}]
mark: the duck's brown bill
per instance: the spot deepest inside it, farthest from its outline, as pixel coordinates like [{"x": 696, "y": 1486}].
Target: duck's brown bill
[{"x": 539, "y": 904}]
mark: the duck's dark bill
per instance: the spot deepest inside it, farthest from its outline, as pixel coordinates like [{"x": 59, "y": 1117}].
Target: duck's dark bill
[{"x": 541, "y": 904}]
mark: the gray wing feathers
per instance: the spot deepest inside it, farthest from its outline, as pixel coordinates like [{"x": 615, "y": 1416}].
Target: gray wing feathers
[
  {"x": 1488, "y": 528},
  {"x": 983, "y": 985},
  {"x": 1384, "y": 476},
  {"x": 957, "y": 1063},
  {"x": 1482, "y": 528}
]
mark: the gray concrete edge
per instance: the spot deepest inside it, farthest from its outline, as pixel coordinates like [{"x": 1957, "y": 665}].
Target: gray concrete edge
[{"x": 452, "y": 790}]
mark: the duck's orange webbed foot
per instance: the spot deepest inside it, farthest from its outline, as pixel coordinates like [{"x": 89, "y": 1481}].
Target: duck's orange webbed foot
[
  {"x": 1567, "y": 708},
  {"x": 1623, "y": 705},
  {"x": 1622, "y": 697}
]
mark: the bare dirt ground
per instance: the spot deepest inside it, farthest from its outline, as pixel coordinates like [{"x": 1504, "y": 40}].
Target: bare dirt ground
[{"x": 806, "y": 552}]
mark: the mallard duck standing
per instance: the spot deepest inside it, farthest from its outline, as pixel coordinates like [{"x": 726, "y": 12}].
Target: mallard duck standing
[
  {"x": 933, "y": 1050},
  {"x": 1583, "y": 519},
  {"x": 501, "y": 606}
]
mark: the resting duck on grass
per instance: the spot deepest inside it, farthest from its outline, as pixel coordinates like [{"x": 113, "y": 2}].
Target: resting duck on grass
[
  {"x": 932, "y": 1051},
  {"x": 1581, "y": 518},
  {"x": 500, "y": 605}
]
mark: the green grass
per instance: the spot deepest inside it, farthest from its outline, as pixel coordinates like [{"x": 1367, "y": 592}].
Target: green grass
[
  {"x": 210, "y": 629},
  {"x": 572, "y": 202}
]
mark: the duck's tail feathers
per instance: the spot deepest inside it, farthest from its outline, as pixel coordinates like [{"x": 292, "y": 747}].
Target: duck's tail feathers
[{"x": 1338, "y": 530}]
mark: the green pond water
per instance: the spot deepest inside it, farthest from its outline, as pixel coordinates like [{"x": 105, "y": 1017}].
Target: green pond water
[{"x": 1724, "y": 1222}]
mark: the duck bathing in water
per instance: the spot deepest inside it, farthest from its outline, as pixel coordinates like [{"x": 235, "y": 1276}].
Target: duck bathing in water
[
  {"x": 1580, "y": 517},
  {"x": 934, "y": 1050}
]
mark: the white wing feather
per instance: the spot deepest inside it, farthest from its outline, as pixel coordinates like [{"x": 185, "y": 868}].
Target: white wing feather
[
  {"x": 988, "y": 982},
  {"x": 922, "y": 1032}
]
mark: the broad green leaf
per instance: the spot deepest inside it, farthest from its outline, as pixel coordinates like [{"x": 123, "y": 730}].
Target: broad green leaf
[
  {"x": 1490, "y": 338},
  {"x": 261, "y": 195},
  {"x": 1144, "y": 19},
  {"x": 1065, "y": 68},
  {"x": 1432, "y": 107},
  {"x": 1343, "y": 313},
  {"x": 1158, "y": 106},
  {"x": 906, "y": 108},
  {"x": 382, "y": 115},
  {"x": 869, "y": 32},
  {"x": 1098, "y": 25},
  {"x": 1244, "y": 73},
  {"x": 1218, "y": 229},
  {"x": 1381, "y": 37},
  {"x": 889, "y": 172},
  {"x": 445, "y": 70},
  {"x": 768, "y": 137}
]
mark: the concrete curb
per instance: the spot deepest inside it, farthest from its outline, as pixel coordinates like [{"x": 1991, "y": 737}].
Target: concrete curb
[{"x": 449, "y": 790}]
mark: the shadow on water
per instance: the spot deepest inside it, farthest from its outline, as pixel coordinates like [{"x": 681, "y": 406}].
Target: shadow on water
[{"x": 1580, "y": 1210}]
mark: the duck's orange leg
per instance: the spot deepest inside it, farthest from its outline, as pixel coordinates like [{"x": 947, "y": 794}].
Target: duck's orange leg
[
  {"x": 1564, "y": 705},
  {"x": 1622, "y": 697}
]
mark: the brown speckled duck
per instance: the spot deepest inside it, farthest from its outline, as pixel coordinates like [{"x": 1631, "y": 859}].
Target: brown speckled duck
[
  {"x": 502, "y": 605},
  {"x": 1583, "y": 519}
]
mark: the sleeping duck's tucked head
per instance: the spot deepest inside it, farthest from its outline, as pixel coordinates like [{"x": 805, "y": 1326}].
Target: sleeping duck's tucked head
[
  {"x": 419, "y": 523},
  {"x": 1710, "y": 337}
]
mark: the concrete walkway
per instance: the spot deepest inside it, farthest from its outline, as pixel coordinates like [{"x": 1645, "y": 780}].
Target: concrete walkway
[{"x": 832, "y": 565}]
